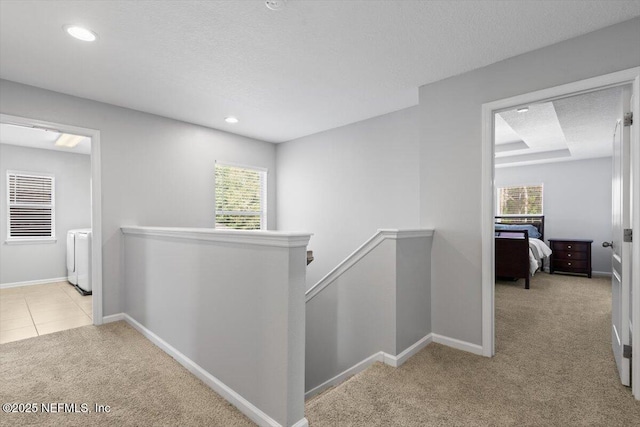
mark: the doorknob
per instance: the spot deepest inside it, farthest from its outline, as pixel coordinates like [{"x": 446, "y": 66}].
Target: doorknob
[{"x": 607, "y": 244}]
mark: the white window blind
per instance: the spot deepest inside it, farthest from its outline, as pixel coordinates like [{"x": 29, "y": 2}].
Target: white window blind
[
  {"x": 31, "y": 203},
  {"x": 240, "y": 197},
  {"x": 521, "y": 200}
]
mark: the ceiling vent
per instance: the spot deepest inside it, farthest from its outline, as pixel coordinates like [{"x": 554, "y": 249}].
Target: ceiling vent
[{"x": 275, "y": 4}]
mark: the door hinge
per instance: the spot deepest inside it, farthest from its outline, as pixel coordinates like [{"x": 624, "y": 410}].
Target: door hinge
[
  {"x": 626, "y": 351},
  {"x": 628, "y": 119},
  {"x": 627, "y": 235}
]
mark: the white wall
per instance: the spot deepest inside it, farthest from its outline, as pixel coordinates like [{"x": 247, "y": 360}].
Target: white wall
[
  {"x": 232, "y": 303},
  {"x": 451, "y": 158},
  {"x": 379, "y": 304},
  {"x": 39, "y": 261},
  {"x": 344, "y": 184},
  {"x": 155, "y": 171},
  {"x": 576, "y": 201}
]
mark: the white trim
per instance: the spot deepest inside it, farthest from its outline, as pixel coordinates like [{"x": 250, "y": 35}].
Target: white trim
[
  {"x": 113, "y": 318},
  {"x": 345, "y": 265},
  {"x": 247, "y": 237},
  {"x": 487, "y": 184},
  {"x": 96, "y": 200},
  {"x": 458, "y": 344},
  {"x": 360, "y": 253},
  {"x": 601, "y": 274},
  {"x": 488, "y": 232},
  {"x": 246, "y": 407},
  {"x": 96, "y": 227},
  {"x": 30, "y": 241},
  {"x": 302, "y": 423},
  {"x": 381, "y": 356},
  {"x": 349, "y": 372},
  {"x": 406, "y": 233},
  {"x": 399, "y": 360},
  {"x": 593, "y": 273},
  {"x": 241, "y": 166},
  {"x": 32, "y": 282},
  {"x": 635, "y": 245}
]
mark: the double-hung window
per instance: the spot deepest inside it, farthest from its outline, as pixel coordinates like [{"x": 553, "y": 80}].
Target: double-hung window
[
  {"x": 30, "y": 206},
  {"x": 241, "y": 201},
  {"x": 520, "y": 200}
]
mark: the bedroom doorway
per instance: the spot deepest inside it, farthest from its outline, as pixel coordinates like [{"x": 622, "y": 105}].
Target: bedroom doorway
[{"x": 501, "y": 120}]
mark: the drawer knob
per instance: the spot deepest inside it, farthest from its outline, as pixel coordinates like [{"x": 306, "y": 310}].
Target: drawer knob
[
  {"x": 569, "y": 263},
  {"x": 568, "y": 254},
  {"x": 569, "y": 246}
]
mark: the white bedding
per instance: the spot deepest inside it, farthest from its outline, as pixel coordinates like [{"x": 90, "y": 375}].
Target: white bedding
[{"x": 537, "y": 251}]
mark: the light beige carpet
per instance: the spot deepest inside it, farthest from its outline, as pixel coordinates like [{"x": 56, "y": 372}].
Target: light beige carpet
[
  {"x": 554, "y": 367},
  {"x": 110, "y": 365}
]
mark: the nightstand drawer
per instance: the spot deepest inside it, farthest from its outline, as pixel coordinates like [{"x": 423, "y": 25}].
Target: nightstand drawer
[
  {"x": 568, "y": 256},
  {"x": 565, "y": 265},
  {"x": 570, "y": 246}
]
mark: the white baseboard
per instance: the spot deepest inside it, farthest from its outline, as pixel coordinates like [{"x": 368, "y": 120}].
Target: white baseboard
[
  {"x": 398, "y": 360},
  {"x": 458, "y": 344},
  {"x": 113, "y": 318},
  {"x": 302, "y": 423},
  {"x": 380, "y": 356},
  {"x": 593, "y": 273},
  {"x": 32, "y": 282},
  {"x": 358, "y": 367},
  {"x": 601, "y": 273},
  {"x": 243, "y": 405}
]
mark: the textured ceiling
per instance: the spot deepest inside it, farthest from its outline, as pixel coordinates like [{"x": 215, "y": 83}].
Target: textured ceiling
[
  {"x": 311, "y": 66},
  {"x": 39, "y": 138},
  {"x": 572, "y": 128}
]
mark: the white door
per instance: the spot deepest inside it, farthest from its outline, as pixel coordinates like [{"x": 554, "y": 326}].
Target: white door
[{"x": 621, "y": 250}]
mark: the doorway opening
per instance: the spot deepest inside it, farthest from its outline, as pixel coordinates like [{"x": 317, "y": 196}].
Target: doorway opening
[
  {"x": 510, "y": 157},
  {"x": 51, "y": 247}
]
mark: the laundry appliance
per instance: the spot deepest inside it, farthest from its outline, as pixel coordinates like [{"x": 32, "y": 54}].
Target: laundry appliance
[{"x": 77, "y": 253}]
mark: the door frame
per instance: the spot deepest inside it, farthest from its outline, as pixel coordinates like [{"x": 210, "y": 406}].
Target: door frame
[
  {"x": 96, "y": 200},
  {"x": 619, "y": 78}
]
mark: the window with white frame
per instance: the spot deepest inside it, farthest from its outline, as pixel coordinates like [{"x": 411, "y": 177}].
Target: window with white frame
[
  {"x": 520, "y": 200},
  {"x": 241, "y": 201},
  {"x": 30, "y": 206}
]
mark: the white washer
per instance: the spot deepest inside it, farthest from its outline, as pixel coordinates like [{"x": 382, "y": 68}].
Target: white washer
[
  {"x": 83, "y": 261},
  {"x": 72, "y": 265}
]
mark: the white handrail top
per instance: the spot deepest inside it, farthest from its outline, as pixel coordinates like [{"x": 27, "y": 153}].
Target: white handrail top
[
  {"x": 365, "y": 248},
  {"x": 282, "y": 239}
]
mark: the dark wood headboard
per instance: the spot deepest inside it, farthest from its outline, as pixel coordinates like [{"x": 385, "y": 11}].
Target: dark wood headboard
[{"x": 536, "y": 220}]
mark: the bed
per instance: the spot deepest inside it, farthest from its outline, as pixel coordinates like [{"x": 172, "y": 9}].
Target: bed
[{"x": 519, "y": 246}]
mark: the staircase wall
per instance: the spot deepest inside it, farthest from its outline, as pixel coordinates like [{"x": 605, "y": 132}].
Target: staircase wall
[
  {"x": 228, "y": 305},
  {"x": 374, "y": 306}
]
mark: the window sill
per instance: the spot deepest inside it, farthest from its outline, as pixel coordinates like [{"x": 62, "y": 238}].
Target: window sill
[{"x": 30, "y": 241}]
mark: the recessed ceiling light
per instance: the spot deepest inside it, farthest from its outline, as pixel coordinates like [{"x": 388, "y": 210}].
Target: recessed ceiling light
[
  {"x": 522, "y": 110},
  {"x": 80, "y": 33},
  {"x": 231, "y": 119}
]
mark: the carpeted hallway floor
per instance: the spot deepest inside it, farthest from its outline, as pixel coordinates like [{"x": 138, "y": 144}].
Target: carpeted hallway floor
[
  {"x": 554, "y": 367},
  {"x": 109, "y": 365}
]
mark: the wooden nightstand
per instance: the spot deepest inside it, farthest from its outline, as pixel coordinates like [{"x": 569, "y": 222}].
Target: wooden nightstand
[{"x": 570, "y": 256}]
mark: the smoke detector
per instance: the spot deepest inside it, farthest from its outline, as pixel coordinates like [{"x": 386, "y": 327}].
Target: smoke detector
[{"x": 275, "y": 4}]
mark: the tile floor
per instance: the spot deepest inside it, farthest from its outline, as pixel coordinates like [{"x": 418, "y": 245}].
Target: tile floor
[{"x": 29, "y": 311}]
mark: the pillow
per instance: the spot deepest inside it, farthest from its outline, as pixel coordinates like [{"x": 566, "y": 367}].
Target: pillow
[{"x": 531, "y": 229}]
